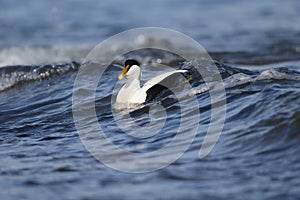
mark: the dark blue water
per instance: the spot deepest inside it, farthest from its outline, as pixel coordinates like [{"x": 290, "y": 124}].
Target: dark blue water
[{"x": 42, "y": 47}]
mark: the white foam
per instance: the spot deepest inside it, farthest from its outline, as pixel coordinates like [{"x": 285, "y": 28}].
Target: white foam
[
  {"x": 42, "y": 55},
  {"x": 241, "y": 79}
]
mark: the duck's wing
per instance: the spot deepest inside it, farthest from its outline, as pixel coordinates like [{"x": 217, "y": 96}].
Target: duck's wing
[{"x": 159, "y": 83}]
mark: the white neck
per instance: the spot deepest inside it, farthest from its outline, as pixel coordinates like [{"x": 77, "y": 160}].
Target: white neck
[
  {"x": 134, "y": 73},
  {"x": 132, "y": 85}
]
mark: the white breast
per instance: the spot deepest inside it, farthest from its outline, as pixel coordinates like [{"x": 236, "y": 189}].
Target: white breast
[{"x": 131, "y": 93}]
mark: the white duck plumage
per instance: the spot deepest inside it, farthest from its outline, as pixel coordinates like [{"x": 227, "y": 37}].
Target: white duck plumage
[{"x": 132, "y": 92}]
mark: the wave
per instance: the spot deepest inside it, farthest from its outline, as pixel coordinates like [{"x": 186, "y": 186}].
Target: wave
[
  {"x": 14, "y": 75},
  {"x": 231, "y": 76}
]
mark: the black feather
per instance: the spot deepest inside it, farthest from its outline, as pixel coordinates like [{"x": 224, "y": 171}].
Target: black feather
[
  {"x": 166, "y": 84},
  {"x": 131, "y": 62}
]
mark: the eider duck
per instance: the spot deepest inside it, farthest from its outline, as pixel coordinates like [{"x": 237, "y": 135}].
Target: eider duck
[{"x": 133, "y": 93}]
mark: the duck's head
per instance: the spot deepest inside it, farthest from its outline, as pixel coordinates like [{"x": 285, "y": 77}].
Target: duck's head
[{"x": 131, "y": 70}]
